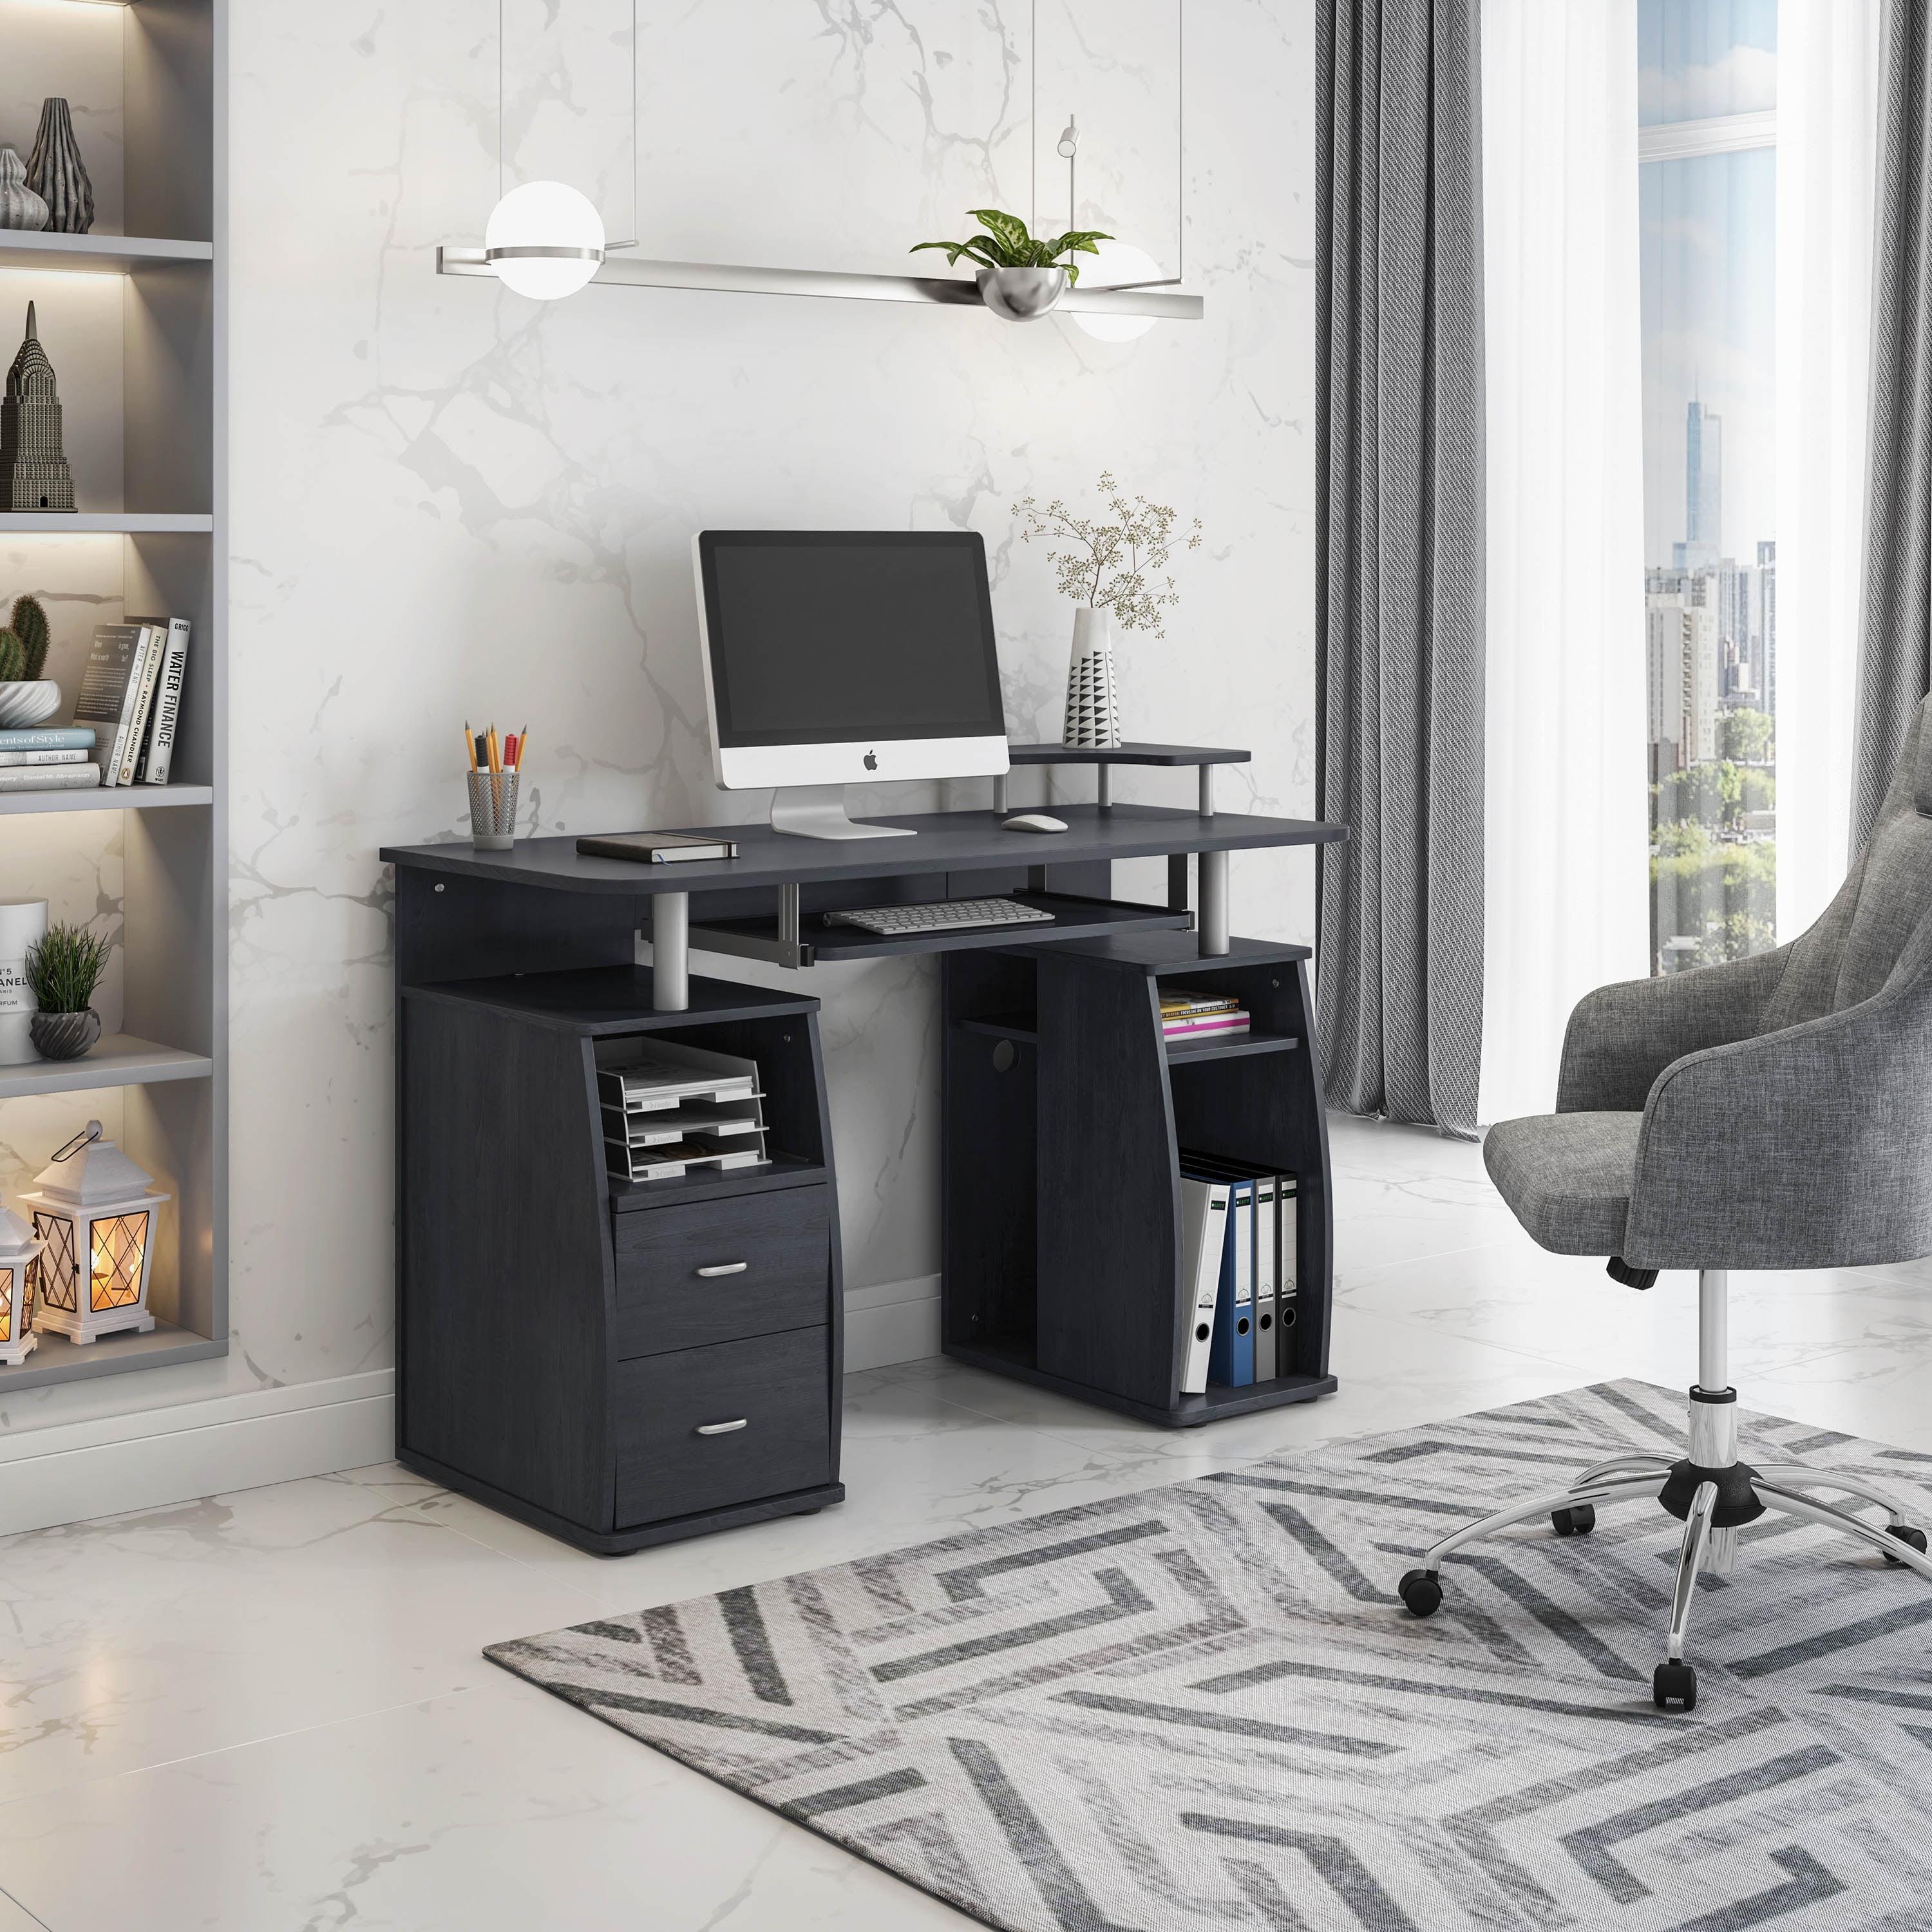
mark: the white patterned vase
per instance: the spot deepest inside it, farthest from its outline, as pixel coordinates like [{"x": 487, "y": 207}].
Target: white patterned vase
[
  {"x": 32, "y": 701},
  {"x": 20, "y": 207},
  {"x": 1092, "y": 709}
]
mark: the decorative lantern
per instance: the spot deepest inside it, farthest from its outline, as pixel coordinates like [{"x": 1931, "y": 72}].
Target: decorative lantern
[
  {"x": 95, "y": 1217},
  {"x": 18, "y": 1249}
]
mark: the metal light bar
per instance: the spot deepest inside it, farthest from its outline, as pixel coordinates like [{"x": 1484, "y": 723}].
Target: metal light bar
[{"x": 730, "y": 279}]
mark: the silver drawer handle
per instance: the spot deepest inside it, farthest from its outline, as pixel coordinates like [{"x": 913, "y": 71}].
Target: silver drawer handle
[
  {"x": 722, "y": 1267},
  {"x": 720, "y": 1428}
]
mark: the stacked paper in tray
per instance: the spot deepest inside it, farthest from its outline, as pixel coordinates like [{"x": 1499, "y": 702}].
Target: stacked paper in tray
[
  {"x": 1186, "y": 1016},
  {"x": 669, "y": 1109}
]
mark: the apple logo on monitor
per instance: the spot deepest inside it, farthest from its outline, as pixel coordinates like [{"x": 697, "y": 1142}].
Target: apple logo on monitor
[{"x": 872, "y": 761}]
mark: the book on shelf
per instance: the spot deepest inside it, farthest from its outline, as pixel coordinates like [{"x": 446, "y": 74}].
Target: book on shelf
[
  {"x": 1177, "y": 1002},
  {"x": 1198, "y": 1026},
  {"x": 109, "y": 690},
  {"x": 154, "y": 645},
  {"x": 9, "y": 760},
  {"x": 48, "y": 738},
  {"x": 157, "y": 755},
  {"x": 50, "y": 777}
]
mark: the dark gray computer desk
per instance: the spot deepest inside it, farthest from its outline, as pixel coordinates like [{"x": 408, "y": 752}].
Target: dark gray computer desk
[
  {"x": 551, "y": 1336},
  {"x": 462, "y": 913}
]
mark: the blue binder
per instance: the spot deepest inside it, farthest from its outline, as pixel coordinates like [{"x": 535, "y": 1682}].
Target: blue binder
[{"x": 1230, "y": 1356}]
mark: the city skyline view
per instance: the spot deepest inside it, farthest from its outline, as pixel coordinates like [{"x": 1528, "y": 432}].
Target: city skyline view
[{"x": 1708, "y": 232}]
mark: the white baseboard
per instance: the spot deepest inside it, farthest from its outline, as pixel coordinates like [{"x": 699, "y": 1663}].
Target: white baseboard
[
  {"x": 75, "y": 1471},
  {"x": 894, "y": 1322},
  {"x": 70, "y": 1473}
]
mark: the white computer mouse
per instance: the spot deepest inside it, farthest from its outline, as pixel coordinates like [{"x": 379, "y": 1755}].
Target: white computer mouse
[{"x": 1032, "y": 821}]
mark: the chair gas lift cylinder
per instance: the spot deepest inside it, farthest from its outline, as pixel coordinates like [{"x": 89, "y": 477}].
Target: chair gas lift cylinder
[
  {"x": 19, "y": 1250},
  {"x": 94, "y": 1213}
]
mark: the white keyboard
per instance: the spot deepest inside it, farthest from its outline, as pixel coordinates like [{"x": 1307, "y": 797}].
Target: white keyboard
[{"x": 948, "y": 916}]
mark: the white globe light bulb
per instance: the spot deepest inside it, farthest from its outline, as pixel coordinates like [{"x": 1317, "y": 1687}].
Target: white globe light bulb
[
  {"x": 1117, "y": 261},
  {"x": 544, "y": 240}
]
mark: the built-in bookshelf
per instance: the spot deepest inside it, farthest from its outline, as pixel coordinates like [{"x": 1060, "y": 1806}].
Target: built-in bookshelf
[{"x": 133, "y": 316}]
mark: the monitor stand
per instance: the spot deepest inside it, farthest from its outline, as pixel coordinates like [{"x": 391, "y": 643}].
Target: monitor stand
[{"x": 818, "y": 811}]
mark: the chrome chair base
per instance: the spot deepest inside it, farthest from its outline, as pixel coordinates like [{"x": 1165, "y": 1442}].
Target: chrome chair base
[{"x": 1713, "y": 1494}]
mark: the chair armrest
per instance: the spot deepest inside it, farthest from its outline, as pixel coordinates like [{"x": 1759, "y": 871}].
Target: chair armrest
[
  {"x": 1807, "y": 1147},
  {"x": 1622, "y": 1037}
]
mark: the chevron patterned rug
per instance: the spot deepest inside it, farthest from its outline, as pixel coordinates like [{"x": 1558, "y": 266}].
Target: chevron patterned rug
[{"x": 1202, "y": 1706}]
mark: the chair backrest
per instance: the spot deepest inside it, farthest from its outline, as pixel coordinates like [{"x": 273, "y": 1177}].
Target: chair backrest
[{"x": 1879, "y": 925}]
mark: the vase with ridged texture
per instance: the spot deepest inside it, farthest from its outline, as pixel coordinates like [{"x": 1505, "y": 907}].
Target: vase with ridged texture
[
  {"x": 1092, "y": 710},
  {"x": 56, "y": 173},
  {"x": 65, "y": 1035},
  {"x": 20, "y": 207}
]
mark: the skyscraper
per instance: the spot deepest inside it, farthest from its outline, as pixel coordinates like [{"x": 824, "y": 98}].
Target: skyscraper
[{"x": 1703, "y": 479}]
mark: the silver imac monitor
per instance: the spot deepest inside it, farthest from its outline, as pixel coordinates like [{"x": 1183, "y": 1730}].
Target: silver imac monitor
[{"x": 843, "y": 657}]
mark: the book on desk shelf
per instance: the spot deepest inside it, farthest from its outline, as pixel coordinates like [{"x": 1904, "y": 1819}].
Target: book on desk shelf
[
  {"x": 12, "y": 760},
  {"x": 130, "y": 698},
  {"x": 1186, "y": 1016},
  {"x": 48, "y": 738}
]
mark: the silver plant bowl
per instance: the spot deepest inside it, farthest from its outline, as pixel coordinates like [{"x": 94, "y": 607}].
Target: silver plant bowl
[
  {"x": 24, "y": 704},
  {"x": 1020, "y": 295},
  {"x": 65, "y": 1035}
]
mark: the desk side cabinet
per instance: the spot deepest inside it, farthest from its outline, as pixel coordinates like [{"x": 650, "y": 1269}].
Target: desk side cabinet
[{"x": 619, "y": 1364}]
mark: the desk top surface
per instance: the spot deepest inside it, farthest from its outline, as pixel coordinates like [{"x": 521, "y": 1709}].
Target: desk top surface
[{"x": 948, "y": 841}]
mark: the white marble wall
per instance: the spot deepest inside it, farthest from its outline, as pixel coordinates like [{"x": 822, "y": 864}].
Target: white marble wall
[{"x": 451, "y": 502}]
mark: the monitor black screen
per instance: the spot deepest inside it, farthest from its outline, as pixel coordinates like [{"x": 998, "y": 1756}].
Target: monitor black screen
[{"x": 820, "y": 637}]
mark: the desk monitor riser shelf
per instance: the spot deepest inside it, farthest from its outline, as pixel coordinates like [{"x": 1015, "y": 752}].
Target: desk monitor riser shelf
[{"x": 550, "y": 1342}]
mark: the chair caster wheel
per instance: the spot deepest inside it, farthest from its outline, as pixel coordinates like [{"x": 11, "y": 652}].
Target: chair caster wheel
[
  {"x": 1906, "y": 1533},
  {"x": 1674, "y": 1683},
  {"x": 1421, "y": 1593},
  {"x": 1577, "y": 1520}
]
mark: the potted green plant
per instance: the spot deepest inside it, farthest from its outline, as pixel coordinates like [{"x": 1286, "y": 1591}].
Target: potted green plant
[
  {"x": 62, "y": 971},
  {"x": 1021, "y": 276},
  {"x": 26, "y": 697}
]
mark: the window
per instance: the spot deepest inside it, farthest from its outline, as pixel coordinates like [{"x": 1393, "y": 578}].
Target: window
[{"x": 1708, "y": 213}]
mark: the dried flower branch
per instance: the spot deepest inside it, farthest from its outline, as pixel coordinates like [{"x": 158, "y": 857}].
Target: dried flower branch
[{"x": 1119, "y": 566}]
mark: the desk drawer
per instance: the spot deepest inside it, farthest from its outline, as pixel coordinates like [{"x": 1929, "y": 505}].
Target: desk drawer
[
  {"x": 777, "y": 1386},
  {"x": 775, "y": 1244}
]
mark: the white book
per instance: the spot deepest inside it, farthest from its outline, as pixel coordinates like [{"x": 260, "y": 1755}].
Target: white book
[
  {"x": 160, "y": 758},
  {"x": 124, "y": 725},
  {"x": 50, "y": 777},
  {"x": 1266, "y": 1239},
  {"x": 156, "y": 649},
  {"x": 75, "y": 757},
  {"x": 1204, "y": 1226},
  {"x": 108, "y": 689}
]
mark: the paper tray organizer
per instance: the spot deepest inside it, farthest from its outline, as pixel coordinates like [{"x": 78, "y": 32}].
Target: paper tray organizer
[{"x": 670, "y": 1110}]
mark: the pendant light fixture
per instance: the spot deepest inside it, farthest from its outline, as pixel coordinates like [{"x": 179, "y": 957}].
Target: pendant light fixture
[{"x": 545, "y": 239}]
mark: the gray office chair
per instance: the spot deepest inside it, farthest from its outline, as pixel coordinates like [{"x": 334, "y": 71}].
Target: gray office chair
[{"x": 1775, "y": 1112}]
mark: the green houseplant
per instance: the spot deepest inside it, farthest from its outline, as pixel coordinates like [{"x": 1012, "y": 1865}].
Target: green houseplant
[
  {"x": 63, "y": 970},
  {"x": 27, "y": 696},
  {"x": 1021, "y": 275}
]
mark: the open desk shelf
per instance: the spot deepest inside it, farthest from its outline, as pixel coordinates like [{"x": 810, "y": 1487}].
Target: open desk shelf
[
  {"x": 1066, "y": 1115},
  {"x": 57, "y": 1359}
]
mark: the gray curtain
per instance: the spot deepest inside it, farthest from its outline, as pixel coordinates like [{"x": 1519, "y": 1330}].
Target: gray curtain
[
  {"x": 1399, "y": 478},
  {"x": 1895, "y": 636}
]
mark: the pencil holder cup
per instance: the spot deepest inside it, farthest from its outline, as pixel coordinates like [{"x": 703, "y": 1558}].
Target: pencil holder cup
[{"x": 493, "y": 810}]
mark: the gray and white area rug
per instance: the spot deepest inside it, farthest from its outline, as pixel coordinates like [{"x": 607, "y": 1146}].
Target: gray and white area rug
[{"x": 1203, "y": 1707}]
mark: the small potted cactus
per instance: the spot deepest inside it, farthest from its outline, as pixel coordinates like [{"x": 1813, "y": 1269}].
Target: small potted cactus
[
  {"x": 62, "y": 971},
  {"x": 26, "y": 697}
]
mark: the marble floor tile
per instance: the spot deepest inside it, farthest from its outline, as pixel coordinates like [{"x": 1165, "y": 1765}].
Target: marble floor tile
[
  {"x": 493, "y": 1810},
  {"x": 274, "y": 1702},
  {"x": 179, "y": 1631}
]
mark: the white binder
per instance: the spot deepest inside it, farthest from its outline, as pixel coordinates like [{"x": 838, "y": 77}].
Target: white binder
[{"x": 1204, "y": 1233}]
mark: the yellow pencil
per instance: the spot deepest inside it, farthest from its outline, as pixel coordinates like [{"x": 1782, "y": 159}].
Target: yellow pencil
[
  {"x": 469, "y": 744},
  {"x": 495, "y": 752},
  {"x": 522, "y": 746}
]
